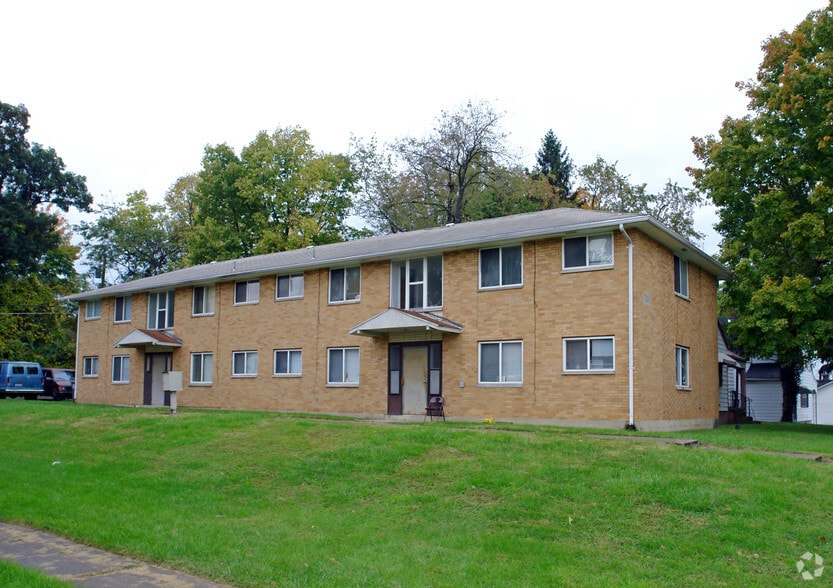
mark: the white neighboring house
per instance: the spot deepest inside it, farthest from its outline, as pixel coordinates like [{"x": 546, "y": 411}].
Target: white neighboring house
[
  {"x": 733, "y": 401},
  {"x": 824, "y": 402},
  {"x": 763, "y": 391}
]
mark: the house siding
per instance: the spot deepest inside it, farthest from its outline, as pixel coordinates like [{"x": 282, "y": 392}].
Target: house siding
[{"x": 552, "y": 304}]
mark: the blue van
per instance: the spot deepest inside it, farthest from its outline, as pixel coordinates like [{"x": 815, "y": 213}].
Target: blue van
[{"x": 20, "y": 378}]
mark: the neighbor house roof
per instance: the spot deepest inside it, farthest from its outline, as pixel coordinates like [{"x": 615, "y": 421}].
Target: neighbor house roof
[{"x": 490, "y": 232}]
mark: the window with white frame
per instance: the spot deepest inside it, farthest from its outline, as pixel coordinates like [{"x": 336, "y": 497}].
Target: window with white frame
[
  {"x": 417, "y": 283},
  {"x": 501, "y": 267},
  {"x": 680, "y": 276},
  {"x": 583, "y": 354},
  {"x": 92, "y": 309},
  {"x": 203, "y": 302},
  {"x": 343, "y": 365},
  {"x": 161, "y": 310},
  {"x": 682, "y": 362},
  {"x": 287, "y": 362},
  {"x": 121, "y": 369},
  {"x": 289, "y": 286},
  {"x": 244, "y": 363},
  {"x": 501, "y": 362},
  {"x": 202, "y": 366},
  {"x": 247, "y": 292},
  {"x": 123, "y": 309},
  {"x": 90, "y": 367},
  {"x": 345, "y": 284},
  {"x": 588, "y": 252}
]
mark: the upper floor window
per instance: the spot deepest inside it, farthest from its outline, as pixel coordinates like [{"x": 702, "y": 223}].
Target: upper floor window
[
  {"x": 203, "y": 303},
  {"x": 123, "y": 309},
  {"x": 161, "y": 310},
  {"x": 289, "y": 286},
  {"x": 680, "y": 276},
  {"x": 682, "y": 354},
  {"x": 588, "y": 354},
  {"x": 247, "y": 292},
  {"x": 92, "y": 309},
  {"x": 417, "y": 283},
  {"x": 345, "y": 284},
  {"x": 588, "y": 252},
  {"x": 501, "y": 266}
]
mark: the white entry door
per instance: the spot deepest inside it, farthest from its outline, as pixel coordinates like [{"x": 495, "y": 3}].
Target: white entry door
[
  {"x": 160, "y": 364},
  {"x": 414, "y": 379}
]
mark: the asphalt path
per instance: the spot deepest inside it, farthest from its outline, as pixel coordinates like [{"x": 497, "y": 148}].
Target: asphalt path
[{"x": 86, "y": 566}]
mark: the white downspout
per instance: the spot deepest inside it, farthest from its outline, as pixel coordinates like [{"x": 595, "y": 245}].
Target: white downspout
[{"x": 630, "y": 424}]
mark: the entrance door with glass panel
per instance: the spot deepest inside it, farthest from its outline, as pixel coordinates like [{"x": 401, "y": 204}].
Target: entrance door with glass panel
[{"x": 414, "y": 375}]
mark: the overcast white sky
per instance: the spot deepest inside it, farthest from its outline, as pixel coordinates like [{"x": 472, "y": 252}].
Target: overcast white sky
[{"x": 129, "y": 93}]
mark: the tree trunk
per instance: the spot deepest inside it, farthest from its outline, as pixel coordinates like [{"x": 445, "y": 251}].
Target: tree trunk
[{"x": 789, "y": 386}]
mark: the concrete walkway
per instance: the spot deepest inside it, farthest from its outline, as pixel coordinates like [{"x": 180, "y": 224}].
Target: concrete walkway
[{"x": 86, "y": 566}]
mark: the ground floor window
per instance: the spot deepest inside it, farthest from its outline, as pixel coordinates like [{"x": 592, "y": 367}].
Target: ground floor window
[
  {"x": 90, "y": 369},
  {"x": 682, "y": 367},
  {"x": 121, "y": 369},
  {"x": 501, "y": 362},
  {"x": 287, "y": 362},
  {"x": 804, "y": 400},
  {"x": 343, "y": 365},
  {"x": 244, "y": 363},
  {"x": 585, "y": 354},
  {"x": 201, "y": 368}
]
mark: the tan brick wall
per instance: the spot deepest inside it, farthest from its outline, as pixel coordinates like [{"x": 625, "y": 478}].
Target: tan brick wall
[{"x": 550, "y": 306}]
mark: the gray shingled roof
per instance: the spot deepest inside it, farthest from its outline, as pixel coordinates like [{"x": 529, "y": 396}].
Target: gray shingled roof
[{"x": 520, "y": 227}]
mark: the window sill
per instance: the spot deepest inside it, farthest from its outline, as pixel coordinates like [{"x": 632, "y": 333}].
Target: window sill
[
  {"x": 202, "y": 314},
  {"x": 500, "y": 384},
  {"x": 244, "y": 375},
  {"x": 506, "y": 287},
  {"x": 246, "y": 303},
  {"x": 286, "y": 375},
  {"x": 683, "y": 296},
  {"x": 593, "y": 268},
  {"x": 342, "y": 385},
  {"x": 89, "y": 376},
  {"x": 92, "y": 318},
  {"x": 200, "y": 384},
  {"x": 587, "y": 372},
  {"x": 122, "y": 322},
  {"x": 340, "y": 302},
  {"x": 119, "y": 383},
  {"x": 684, "y": 388},
  {"x": 285, "y": 298}
]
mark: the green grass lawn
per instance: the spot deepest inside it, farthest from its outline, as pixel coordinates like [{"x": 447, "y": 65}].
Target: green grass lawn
[
  {"x": 264, "y": 499},
  {"x": 15, "y": 576}
]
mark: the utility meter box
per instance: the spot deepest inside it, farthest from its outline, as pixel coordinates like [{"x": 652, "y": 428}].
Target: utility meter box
[{"x": 172, "y": 381}]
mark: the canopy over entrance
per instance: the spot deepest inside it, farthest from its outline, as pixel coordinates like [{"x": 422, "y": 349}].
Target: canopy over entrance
[
  {"x": 399, "y": 320},
  {"x": 138, "y": 338}
]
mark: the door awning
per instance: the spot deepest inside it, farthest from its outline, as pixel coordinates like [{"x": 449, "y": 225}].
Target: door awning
[
  {"x": 399, "y": 320},
  {"x": 138, "y": 338}
]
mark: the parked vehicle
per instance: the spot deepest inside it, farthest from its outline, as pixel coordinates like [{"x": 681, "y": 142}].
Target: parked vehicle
[
  {"x": 20, "y": 378},
  {"x": 58, "y": 383}
]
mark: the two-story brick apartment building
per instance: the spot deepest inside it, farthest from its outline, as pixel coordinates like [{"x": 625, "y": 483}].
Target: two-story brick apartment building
[{"x": 564, "y": 316}]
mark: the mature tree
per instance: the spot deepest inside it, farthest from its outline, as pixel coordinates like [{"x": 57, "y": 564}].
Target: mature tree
[
  {"x": 35, "y": 324},
  {"x": 603, "y": 187},
  {"x": 31, "y": 176},
  {"x": 134, "y": 240},
  {"x": 181, "y": 205},
  {"x": 555, "y": 165},
  {"x": 771, "y": 176},
  {"x": 429, "y": 181},
  {"x": 278, "y": 194}
]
